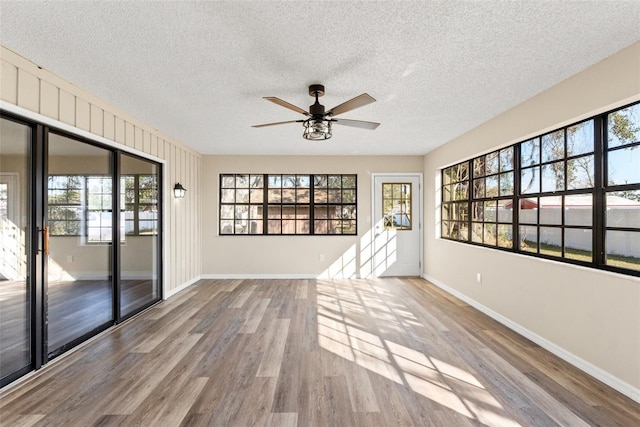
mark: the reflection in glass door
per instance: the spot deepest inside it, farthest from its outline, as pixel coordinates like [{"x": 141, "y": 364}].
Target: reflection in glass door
[
  {"x": 139, "y": 225},
  {"x": 15, "y": 280},
  {"x": 79, "y": 287}
]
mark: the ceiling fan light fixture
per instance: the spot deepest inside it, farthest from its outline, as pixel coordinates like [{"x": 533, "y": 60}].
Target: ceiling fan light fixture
[
  {"x": 316, "y": 129},
  {"x": 318, "y": 121}
]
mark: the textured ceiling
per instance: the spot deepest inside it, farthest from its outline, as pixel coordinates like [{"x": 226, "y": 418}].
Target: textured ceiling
[{"x": 198, "y": 70}]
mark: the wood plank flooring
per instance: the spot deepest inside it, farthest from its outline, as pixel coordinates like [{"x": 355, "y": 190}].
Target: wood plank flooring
[{"x": 384, "y": 352}]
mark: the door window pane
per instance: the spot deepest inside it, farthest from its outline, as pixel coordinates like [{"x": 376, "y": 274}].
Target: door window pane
[{"x": 396, "y": 202}]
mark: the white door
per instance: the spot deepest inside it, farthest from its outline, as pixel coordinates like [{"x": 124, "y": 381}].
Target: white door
[{"x": 397, "y": 225}]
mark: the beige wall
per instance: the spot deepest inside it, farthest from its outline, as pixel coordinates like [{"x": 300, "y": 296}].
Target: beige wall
[
  {"x": 24, "y": 85},
  {"x": 591, "y": 317},
  {"x": 282, "y": 256}
]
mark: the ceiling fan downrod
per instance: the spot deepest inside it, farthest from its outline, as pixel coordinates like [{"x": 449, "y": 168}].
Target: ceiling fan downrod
[{"x": 316, "y": 110}]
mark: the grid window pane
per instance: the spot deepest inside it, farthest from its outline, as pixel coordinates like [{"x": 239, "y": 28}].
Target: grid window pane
[
  {"x": 551, "y": 241},
  {"x": 228, "y": 196},
  {"x": 505, "y": 211},
  {"x": 477, "y": 211},
  {"x": 242, "y": 196},
  {"x": 302, "y": 227},
  {"x": 492, "y": 163},
  {"x": 580, "y": 173},
  {"x": 256, "y": 195},
  {"x": 303, "y": 195},
  {"x": 506, "y": 159},
  {"x": 623, "y": 209},
  {"x": 287, "y": 200},
  {"x": 506, "y": 184},
  {"x": 550, "y": 210},
  {"x": 476, "y": 232},
  {"x": 227, "y": 212},
  {"x": 530, "y": 152},
  {"x": 274, "y": 196},
  {"x": 553, "y": 146},
  {"x": 553, "y": 177},
  {"x": 578, "y": 244},
  {"x": 529, "y": 238},
  {"x": 530, "y": 180},
  {"x": 228, "y": 181},
  {"x": 623, "y": 249},
  {"x": 275, "y": 227},
  {"x": 623, "y": 166},
  {"x": 478, "y": 188},
  {"x": 288, "y": 195},
  {"x": 580, "y": 138},
  {"x": 623, "y": 126},
  {"x": 578, "y": 210},
  {"x": 226, "y": 226},
  {"x": 492, "y": 185},
  {"x": 505, "y": 236},
  {"x": 490, "y": 234},
  {"x": 528, "y": 210}
]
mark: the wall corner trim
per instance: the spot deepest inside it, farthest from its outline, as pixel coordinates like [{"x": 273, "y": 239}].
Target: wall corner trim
[
  {"x": 587, "y": 367},
  {"x": 182, "y": 287}
]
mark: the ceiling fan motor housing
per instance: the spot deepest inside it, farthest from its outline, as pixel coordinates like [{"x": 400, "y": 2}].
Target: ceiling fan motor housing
[{"x": 316, "y": 110}]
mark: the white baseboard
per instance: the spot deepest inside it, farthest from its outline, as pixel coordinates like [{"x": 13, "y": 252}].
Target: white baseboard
[
  {"x": 259, "y": 276},
  {"x": 596, "y": 372},
  {"x": 185, "y": 285}
]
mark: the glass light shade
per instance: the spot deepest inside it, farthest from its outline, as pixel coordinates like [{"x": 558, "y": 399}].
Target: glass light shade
[
  {"x": 317, "y": 130},
  {"x": 179, "y": 191}
]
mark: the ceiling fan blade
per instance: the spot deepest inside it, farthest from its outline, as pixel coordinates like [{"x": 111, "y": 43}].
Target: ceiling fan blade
[
  {"x": 276, "y": 123},
  {"x": 356, "y": 123},
  {"x": 285, "y": 104},
  {"x": 352, "y": 104}
]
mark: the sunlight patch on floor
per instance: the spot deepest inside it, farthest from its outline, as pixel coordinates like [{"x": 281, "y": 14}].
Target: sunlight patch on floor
[{"x": 346, "y": 311}]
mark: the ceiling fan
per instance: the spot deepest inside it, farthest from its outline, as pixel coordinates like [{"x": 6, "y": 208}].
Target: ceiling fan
[{"x": 317, "y": 125}]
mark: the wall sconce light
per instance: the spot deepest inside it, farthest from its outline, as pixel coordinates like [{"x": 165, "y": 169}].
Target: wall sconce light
[{"x": 179, "y": 191}]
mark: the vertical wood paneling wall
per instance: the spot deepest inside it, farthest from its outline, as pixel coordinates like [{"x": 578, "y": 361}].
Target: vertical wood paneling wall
[{"x": 24, "y": 84}]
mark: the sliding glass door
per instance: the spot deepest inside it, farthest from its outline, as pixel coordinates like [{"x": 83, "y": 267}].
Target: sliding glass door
[
  {"x": 80, "y": 241},
  {"x": 140, "y": 248},
  {"x": 80, "y": 261},
  {"x": 15, "y": 249}
]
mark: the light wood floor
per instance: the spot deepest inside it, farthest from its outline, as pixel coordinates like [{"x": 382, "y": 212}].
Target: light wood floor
[{"x": 313, "y": 353}]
